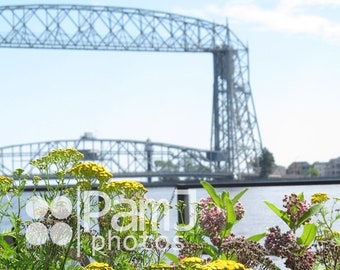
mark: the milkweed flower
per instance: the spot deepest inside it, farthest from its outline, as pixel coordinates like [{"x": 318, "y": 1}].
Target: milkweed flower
[
  {"x": 239, "y": 210},
  {"x": 276, "y": 242},
  {"x": 296, "y": 207},
  {"x": 212, "y": 219}
]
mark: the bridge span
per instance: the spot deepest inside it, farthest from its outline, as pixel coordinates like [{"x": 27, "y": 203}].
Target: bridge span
[
  {"x": 235, "y": 136},
  {"x": 123, "y": 158}
]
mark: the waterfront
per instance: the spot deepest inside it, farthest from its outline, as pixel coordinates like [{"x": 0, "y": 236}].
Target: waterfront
[{"x": 258, "y": 216}]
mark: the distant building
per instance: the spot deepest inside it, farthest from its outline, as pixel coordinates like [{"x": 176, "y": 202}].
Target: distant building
[
  {"x": 321, "y": 167},
  {"x": 278, "y": 171},
  {"x": 333, "y": 167},
  {"x": 299, "y": 168}
]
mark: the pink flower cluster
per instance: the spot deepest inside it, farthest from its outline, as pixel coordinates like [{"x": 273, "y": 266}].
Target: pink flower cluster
[
  {"x": 285, "y": 246},
  {"x": 239, "y": 210},
  {"x": 295, "y": 207},
  {"x": 213, "y": 219},
  {"x": 304, "y": 261},
  {"x": 276, "y": 242}
]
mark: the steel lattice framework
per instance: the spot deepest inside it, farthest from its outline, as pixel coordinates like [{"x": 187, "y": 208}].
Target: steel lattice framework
[
  {"x": 125, "y": 158},
  {"x": 235, "y": 136}
]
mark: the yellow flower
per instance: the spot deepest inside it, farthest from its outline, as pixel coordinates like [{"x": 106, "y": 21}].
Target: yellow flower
[
  {"x": 36, "y": 179},
  {"x": 223, "y": 265},
  {"x": 61, "y": 158},
  {"x": 98, "y": 266},
  {"x": 319, "y": 197},
  {"x": 327, "y": 234},
  {"x": 161, "y": 266},
  {"x": 190, "y": 260},
  {"x": 5, "y": 184},
  {"x": 128, "y": 188},
  {"x": 90, "y": 171}
]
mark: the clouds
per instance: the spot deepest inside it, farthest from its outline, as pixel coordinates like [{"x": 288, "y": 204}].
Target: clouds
[{"x": 308, "y": 17}]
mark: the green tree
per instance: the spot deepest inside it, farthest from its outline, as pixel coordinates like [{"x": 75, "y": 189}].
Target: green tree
[
  {"x": 167, "y": 167},
  {"x": 266, "y": 163},
  {"x": 312, "y": 171}
]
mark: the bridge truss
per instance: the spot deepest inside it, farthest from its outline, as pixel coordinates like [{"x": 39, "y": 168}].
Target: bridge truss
[
  {"x": 124, "y": 158},
  {"x": 235, "y": 136}
]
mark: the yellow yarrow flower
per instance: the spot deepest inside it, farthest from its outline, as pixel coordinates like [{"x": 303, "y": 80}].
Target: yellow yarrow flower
[
  {"x": 128, "y": 188},
  {"x": 223, "y": 265},
  {"x": 191, "y": 260},
  {"x": 5, "y": 183},
  {"x": 319, "y": 197},
  {"x": 161, "y": 266},
  {"x": 36, "y": 179},
  {"x": 61, "y": 158},
  {"x": 191, "y": 263},
  {"x": 90, "y": 171},
  {"x": 98, "y": 266},
  {"x": 327, "y": 234}
]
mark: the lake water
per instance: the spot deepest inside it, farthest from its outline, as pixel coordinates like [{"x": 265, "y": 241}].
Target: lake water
[{"x": 258, "y": 216}]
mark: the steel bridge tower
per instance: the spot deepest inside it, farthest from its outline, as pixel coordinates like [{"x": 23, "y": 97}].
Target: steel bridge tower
[{"x": 235, "y": 135}]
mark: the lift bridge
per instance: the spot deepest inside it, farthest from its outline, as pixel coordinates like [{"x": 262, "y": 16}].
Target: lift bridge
[{"x": 235, "y": 137}]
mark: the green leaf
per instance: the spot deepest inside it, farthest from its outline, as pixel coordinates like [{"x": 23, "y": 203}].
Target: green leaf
[
  {"x": 337, "y": 217},
  {"x": 311, "y": 212},
  {"x": 172, "y": 257},
  {"x": 225, "y": 198},
  {"x": 337, "y": 239},
  {"x": 256, "y": 237},
  {"x": 231, "y": 216},
  {"x": 308, "y": 234},
  {"x": 301, "y": 196},
  {"x": 212, "y": 192},
  {"x": 239, "y": 195},
  {"x": 210, "y": 250},
  {"x": 281, "y": 214}
]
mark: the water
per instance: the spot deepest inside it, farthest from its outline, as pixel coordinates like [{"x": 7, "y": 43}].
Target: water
[{"x": 258, "y": 216}]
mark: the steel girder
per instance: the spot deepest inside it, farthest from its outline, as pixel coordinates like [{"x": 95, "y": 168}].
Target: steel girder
[
  {"x": 235, "y": 138},
  {"x": 235, "y": 133},
  {"x": 124, "y": 158},
  {"x": 108, "y": 28}
]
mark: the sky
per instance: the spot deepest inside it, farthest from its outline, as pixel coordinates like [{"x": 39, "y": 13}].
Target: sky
[{"x": 294, "y": 56}]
